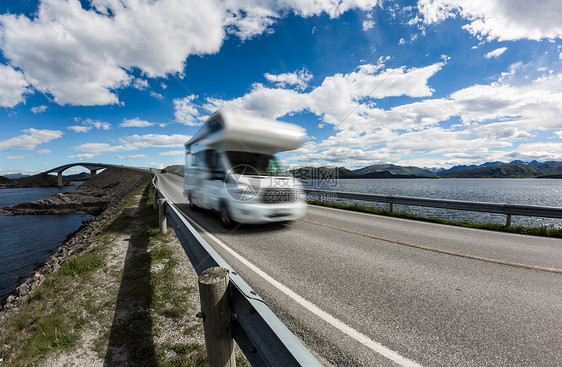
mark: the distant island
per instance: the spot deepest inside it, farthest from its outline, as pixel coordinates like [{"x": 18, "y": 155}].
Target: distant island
[
  {"x": 19, "y": 180},
  {"x": 514, "y": 169}
]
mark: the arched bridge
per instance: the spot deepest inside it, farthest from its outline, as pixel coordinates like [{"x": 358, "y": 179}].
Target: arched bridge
[{"x": 93, "y": 167}]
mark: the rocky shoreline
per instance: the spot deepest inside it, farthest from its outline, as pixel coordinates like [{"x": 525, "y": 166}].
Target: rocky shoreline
[
  {"x": 92, "y": 197},
  {"x": 99, "y": 196}
]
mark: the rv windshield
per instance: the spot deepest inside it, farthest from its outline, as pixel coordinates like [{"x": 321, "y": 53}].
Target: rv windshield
[{"x": 262, "y": 163}]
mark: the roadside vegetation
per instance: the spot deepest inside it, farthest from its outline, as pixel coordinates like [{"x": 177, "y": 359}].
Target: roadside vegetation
[
  {"x": 533, "y": 231},
  {"x": 129, "y": 300}
]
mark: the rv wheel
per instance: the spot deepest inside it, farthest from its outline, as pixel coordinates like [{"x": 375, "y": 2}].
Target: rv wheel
[
  {"x": 192, "y": 206},
  {"x": 224, "y": 217}
]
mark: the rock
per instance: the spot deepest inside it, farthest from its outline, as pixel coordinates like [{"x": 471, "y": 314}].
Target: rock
[
  {"x": 57, "y": 199},
  {"x": 10, "y": 299},
  {"x": 23, "y": 289}
]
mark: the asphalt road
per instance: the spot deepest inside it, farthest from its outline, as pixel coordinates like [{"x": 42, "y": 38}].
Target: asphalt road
[{"x": 384, "y": 291}]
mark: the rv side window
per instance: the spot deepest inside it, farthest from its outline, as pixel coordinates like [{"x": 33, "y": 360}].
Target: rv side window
[
  {"x": 188, "y": 160},
  {"x": 214, "y": 161},
  {"x": 199, "y": 159}
]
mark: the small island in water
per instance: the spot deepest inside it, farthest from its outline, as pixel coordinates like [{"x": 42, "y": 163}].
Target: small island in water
[{"x": 39, "y": 180}]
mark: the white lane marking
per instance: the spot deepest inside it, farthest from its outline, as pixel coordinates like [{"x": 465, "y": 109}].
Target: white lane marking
[
  {"x": 176, "y": 177},
  {"x": 343, "y": 327}
]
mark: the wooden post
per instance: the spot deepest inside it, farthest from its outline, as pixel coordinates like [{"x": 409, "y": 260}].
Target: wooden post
[
  {"x": 162, "y": 215},
  {"x": 215, "y": 307},
  {"x": 508, "y": 220}
]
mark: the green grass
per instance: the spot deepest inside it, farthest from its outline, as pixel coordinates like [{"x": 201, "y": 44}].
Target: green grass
[
  {"x": 161, "y": 253},
  {"x": 192, "y": 354},
  {"x": 45, "y": 331},
  {"x": 151, "y": 295},
  {"x": 81, "y": 265},
  {"x": 533, "y": 231}
]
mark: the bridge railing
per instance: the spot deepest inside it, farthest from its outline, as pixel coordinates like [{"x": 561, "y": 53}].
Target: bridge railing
[
  {"x": 508, "y": 209},
  {"x": 262, "y": 337}
]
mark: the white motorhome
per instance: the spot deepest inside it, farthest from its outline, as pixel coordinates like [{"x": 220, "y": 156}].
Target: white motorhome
[{"x": 231, "y": 168}]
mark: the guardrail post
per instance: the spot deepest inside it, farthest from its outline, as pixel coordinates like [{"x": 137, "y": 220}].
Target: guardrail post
[
  {"x": 391, "y": 207},
  {"x": 162, "y": 216},
  {"x": 508, "y": 220},
  {"x": 216, "y": 313},
  {"x": 155, "y": 197}
]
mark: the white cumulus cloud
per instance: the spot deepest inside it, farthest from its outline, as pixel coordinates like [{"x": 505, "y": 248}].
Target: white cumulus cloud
[
  {"x": 495, "y": 53},
  {"x": 82, "y": 156},
  {"x": 30, "y": 139},
  {"x": 156, "y": 95},
  {"x": 39, "y": 109},
  {"x": 172, "y": 152},
  {"x": 88, "y": 125},
  {"x": 299, "y": 79},
  {"x": 338, "y": 95},
  {"x": 503, "y": 20},
  {"x": 368, "y": 24},
  {"x": 156, "y": 140},
  {"x": 13, "y": 86},
  {"x": 136, "y": 122},
  {"x": 135, "y": 142},
  {"x": 81, "y": 57},
  {"x": 39, "y": 152},
  {"x": 140, "y": 84},
  {"x": 491, "y": 118},
  {"x": 84, "y": 56},
  {"x": 131, "y": 157},
  {"x": 477, "y": 123},
  {"x": 185, "y": 111}
]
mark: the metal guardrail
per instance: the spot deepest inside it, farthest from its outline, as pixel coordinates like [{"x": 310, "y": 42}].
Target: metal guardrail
[
  {"x": 262, "y": 337},
  {"x": 507, "y": 209}
]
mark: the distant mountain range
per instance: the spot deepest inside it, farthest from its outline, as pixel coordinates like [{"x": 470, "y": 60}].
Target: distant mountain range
[
  {"x": 396, "y": 170},
  {"x": 546, "y": 169},
  {"x": 5, "y": 181},
  {"x": 515, "y": 169},
  {"x": 16, "y": 176},
  {"x": 177, "y": 169},
  {"x": 501, "y": 169}
]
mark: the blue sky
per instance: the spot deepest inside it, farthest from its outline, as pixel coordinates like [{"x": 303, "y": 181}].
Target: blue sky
[{"x": 432, "y": 83}]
